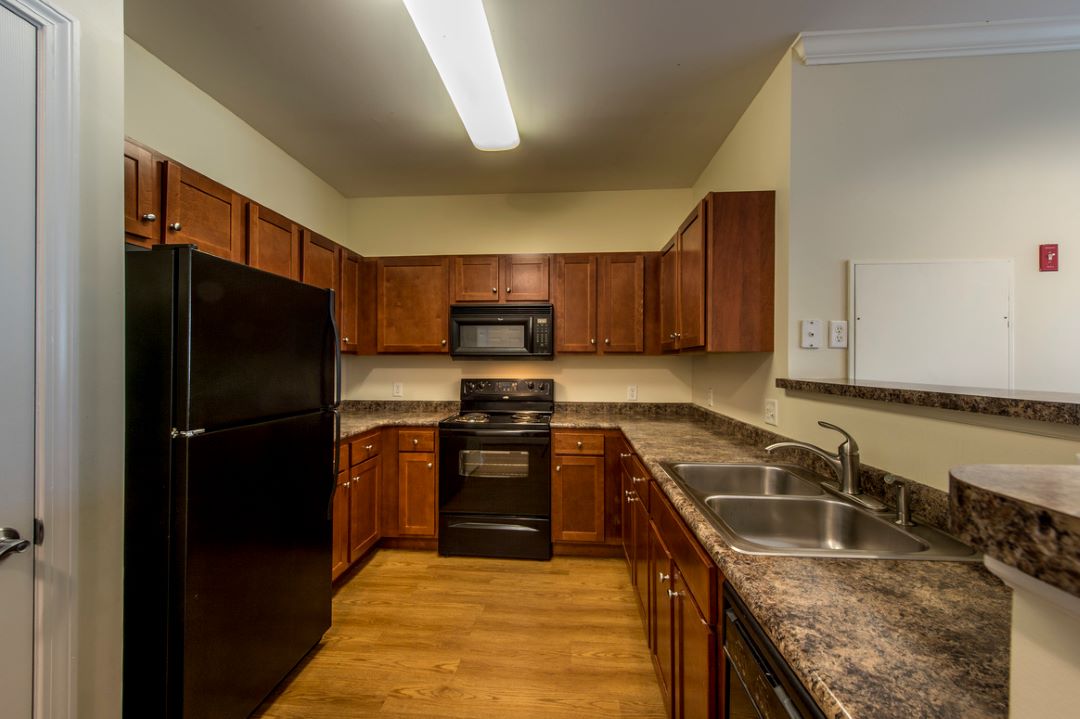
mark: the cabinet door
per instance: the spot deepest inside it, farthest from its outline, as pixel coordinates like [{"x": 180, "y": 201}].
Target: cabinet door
[
  {"x": 691, "y": 240},
  {"x": 320, "y": 262},
  {"x": 273, "y": 242},
  {"x": 627, "y": 516},
  {"x": 142, "y": 196},
  {"x": 669, "y": 296},
  {"x": 476, "y": 278},
  {"x": 661, "y": 613},
  {"x": 364, "y": 508},
  {"x": 340, "y": 549},
  {"x": 202, "y": 212},
  {"x": 622, "y": 303},
  {"x": 641, "y": 553},
  {"x": 412, "y": 304},
  {"x": 575, "y": 303},
  {"x": 694, "y": 687},
  {"x": 348, "y": 300},
  {"x": 577, "y": 499},
  {"x": 525, "y": 278},
  {"x": 416, "y": 494}
]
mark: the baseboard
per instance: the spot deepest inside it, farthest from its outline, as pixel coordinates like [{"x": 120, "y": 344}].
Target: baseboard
[{"x": 564, "y": 549}]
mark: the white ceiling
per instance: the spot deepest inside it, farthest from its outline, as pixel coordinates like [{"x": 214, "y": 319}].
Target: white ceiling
[{"x": 608, "y": 94}]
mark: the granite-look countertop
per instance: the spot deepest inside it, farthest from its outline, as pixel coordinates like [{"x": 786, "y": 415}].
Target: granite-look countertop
[
  {"x": 870, "y": 639},
  {"x": 1027, "y": 516}
]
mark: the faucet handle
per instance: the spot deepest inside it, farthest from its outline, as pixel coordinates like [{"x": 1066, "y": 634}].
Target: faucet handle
[{"x": 853, "y": 446}]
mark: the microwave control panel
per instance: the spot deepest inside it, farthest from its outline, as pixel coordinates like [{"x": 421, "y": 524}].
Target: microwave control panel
[{"x": 542, "y": 335}]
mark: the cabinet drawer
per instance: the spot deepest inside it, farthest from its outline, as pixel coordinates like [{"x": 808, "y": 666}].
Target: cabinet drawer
[
  {"x": 639, "y": 479},
  {"x": 697, "y": 568},
  {"x": 416, "y": 440},
  {"x": 577, "y": 443},
  {"x": 343, "y": 456},
  {"x": 366, "y": 447}
]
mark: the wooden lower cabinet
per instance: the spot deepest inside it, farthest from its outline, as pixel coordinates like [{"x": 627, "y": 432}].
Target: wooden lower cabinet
[
  {"x": 417, "y": 509},
  {"x": 661, "y": 615},
  {"x": 339, "y": 561},
  {"x": 577, "y": 499},
  {"x": 694, "y": 655},
  {"x": 364, "y": 507}
]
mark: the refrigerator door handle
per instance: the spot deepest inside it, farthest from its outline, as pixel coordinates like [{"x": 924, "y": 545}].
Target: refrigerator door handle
[
  {"x": 337, "y": 458},
  {"x": 335, "y": 347}
]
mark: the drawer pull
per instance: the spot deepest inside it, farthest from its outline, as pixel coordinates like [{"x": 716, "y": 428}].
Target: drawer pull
[
  {"x": 429, "y": 465},
  {"x": 415, "y": 441},
  {"x": 558, "y": 467},
  {"x": 580, "y": 445},
  {"x": 663, "y": 577},
  {"x": 369, "y": 447}
]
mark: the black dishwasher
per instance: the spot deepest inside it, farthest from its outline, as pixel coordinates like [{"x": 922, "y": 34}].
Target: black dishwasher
[{"x": 758, "y": 683}]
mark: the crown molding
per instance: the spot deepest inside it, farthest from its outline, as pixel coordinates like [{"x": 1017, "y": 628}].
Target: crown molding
[{"x": 932, "y": 41}]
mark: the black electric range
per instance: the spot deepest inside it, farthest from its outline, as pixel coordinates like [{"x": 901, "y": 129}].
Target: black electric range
[{"x": 495, "y": 470}]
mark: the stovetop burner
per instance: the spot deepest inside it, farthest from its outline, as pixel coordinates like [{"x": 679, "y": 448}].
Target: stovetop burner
[
  {"x": 526, "y": 404},
  {"x": 471, "y": 418},
  {"x": 530, "y": 418}
]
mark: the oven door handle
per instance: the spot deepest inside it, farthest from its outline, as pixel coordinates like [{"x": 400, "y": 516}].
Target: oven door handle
[{"x": 494, "y": 525}]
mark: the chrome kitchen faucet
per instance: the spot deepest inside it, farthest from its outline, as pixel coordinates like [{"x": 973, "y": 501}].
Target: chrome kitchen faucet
[{"x": 844, "y": 464}]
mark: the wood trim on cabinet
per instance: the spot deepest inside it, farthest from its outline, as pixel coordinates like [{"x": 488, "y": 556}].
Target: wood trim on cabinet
[
  {"x": 366, "y": 309},
  {"x": 668, "y": 295}
]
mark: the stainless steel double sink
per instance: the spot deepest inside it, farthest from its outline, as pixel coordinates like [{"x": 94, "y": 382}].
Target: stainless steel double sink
[{"x": 783, "y": 510}]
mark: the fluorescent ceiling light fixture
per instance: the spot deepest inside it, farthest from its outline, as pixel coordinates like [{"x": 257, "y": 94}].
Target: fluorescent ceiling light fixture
[{"x": 458, "y": 39}]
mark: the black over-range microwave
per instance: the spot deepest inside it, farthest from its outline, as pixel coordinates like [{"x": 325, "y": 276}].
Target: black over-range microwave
[{"x": 502, "y": 331}]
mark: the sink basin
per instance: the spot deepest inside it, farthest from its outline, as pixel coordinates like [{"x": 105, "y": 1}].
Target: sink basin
[
  {"x": 814, "y": 524},
  {"x": 782, "y": 510},
  {"x": 707, "y": 480}
]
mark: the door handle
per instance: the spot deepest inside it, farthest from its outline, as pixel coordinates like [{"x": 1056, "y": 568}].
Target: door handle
[{"x": 11, "y": 542}]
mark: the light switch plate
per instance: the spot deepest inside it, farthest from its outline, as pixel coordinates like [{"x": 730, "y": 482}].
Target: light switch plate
[
  {"x": 837, "y": 334},
  {"x": 811, "y": 334},
  {"x": 398, "y": 390},
  {"x": 631, "y": 392}
]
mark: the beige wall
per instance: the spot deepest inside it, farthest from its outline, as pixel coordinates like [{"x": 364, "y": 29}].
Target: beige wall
[
  {"x": 173, "y": 116},
  {"x": 795, "y": 136},
  {"x": 98, "y": 587},
  {"x": 542, "y": 222},
  {"x": 577, "y": 379},
  {"x": 961, "y": 158}
]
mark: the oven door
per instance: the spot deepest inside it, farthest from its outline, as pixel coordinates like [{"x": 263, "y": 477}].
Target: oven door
[{"x": 499, "y": 472}]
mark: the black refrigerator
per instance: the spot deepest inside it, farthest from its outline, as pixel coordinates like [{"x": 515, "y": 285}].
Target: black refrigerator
[{"x": 232, "y": 394}]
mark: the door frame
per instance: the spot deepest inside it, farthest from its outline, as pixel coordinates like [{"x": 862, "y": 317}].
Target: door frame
[{"x": 56, "y": 422}]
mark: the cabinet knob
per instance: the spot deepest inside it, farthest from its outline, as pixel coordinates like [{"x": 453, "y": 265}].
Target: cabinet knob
[
  {"x": 673, "y": 595},
  {"x": 624, "y": 455},
  {"x": 356, "y": 479},
  {"x": 345, "y": 340},
  {"x": 175, "y": 227},
  {"x": 429, "y": 465},
  {"x": 444, "y": 343},
  {"x": 638, "y": 479},
  {"x": 580, "y": 445},
  {"x": 494, "y": 290},
  {"x": 678, "y": 335},
  {"x": 509, "y": 290},
  {"x": 607, "y": 341},
  {"x": 415, "y": 441},
  {"x": 558, "y": 467},
  {"x": 369, "y": 447},
  {"x": 346, "y": 485},
  {"x": 592, "y": 341},
  {"x": 149, "y": 217},
  {"x": 671, "y": 336},
  {"x": 663, "y": 577}
]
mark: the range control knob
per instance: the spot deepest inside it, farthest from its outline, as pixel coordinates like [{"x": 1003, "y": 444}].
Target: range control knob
[{"x": 532, "y": 385}]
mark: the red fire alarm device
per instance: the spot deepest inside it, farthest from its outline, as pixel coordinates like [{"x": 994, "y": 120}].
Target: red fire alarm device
[{"x": 1048, "y": 258}]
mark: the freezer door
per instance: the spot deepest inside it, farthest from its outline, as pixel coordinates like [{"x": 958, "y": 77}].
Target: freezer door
[
  {"x": 252, "y": 345},
  {"x": 251, "y": 560}
]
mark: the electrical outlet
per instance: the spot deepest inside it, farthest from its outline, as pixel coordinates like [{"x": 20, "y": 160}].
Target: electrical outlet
[
  {"x": 772, "y": 412},
  {"x": 838, "y": 334},
  {"x": 811, "y": 334},
  {"x": 710, "y": 397},
  {"x": 398, "y": 390},
  {"x": 631, "y": 392}
]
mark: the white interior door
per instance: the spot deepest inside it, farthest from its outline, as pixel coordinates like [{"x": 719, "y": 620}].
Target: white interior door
[{"x": 18, "y": 150}]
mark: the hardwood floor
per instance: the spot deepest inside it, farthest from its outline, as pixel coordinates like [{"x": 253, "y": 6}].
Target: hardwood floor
[{"x": 418, "y": 635}]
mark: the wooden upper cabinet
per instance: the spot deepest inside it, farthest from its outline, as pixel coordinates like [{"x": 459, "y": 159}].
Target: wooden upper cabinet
[
  {"x": 741, "y": 270},
  {"x": 412, "y": 294},
  {"x": 622, "y": 302},
  {"x": 691, "y": 251},
  {"x": 476, "y": 278},
  {"x": 202, "y": 212},
  {"x": 716, "y": 276},
  {"x": 525, "y": 278},
  {"x": 575, "y": 303},
  {"x": 142, "y": 196},
  {"x": 669, "y": 296},
  {"x": 348, "y": 300},
  {"x": 273, "y": 242},
  {"x": 505, "y": 278},
  {"x": 320, "y": 261}
]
